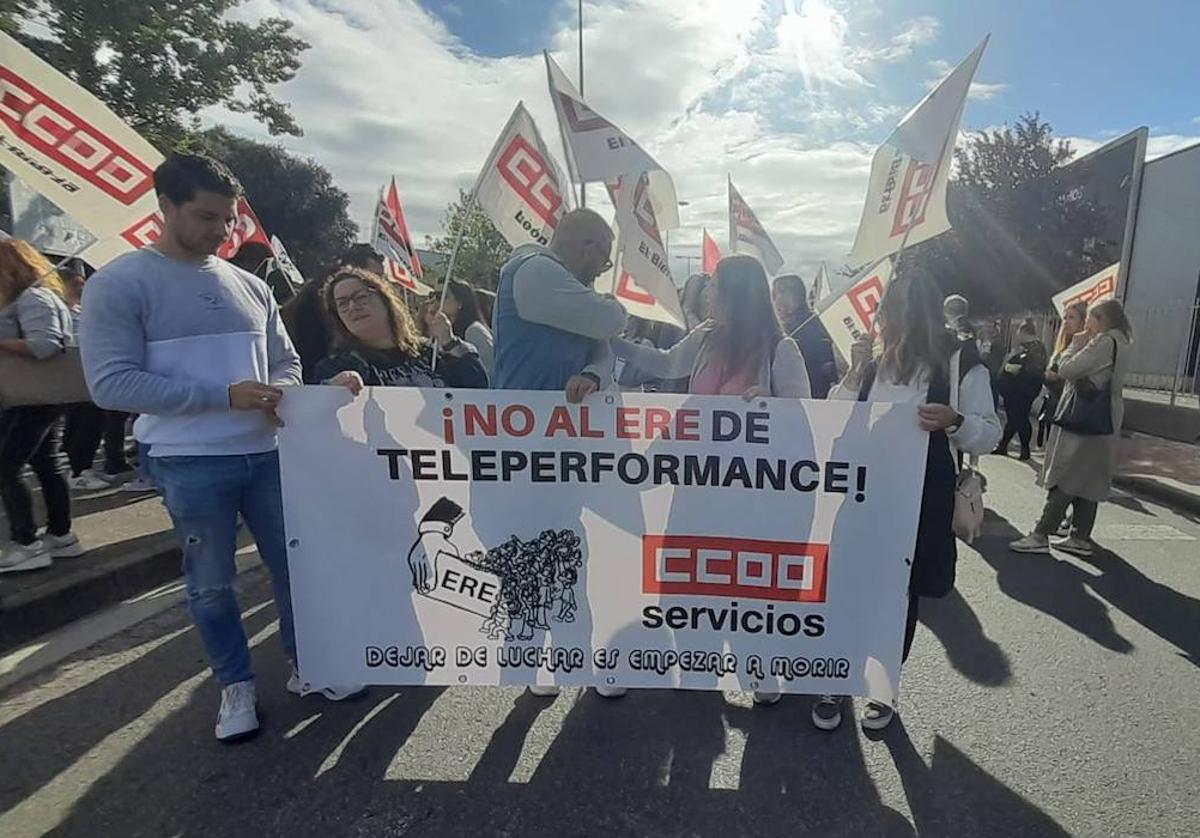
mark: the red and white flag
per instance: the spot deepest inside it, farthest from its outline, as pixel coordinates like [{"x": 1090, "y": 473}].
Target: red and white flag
[
  {"x": 597, "y": 150},
  {"x": 710, "y": 254},
  {"x": 1101, "y": 285},
  {"x": 246, "y": 229},
  {"x": 906, "y": 193},
  {"x": 520, "y": 188},
  {"x": 643, "y": 277},
  {"x": 746, "y": 234},
  {"x": 66, "y": 144},
  {"x": 392, "y": 241},
  {"x": 849, "y": 313}
]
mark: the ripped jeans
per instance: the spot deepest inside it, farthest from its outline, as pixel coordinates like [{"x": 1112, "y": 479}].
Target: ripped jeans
[{"x": 204, "y": 496}]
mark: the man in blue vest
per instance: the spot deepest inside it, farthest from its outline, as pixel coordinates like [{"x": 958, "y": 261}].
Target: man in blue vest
[{"x": 552, "y": 329}]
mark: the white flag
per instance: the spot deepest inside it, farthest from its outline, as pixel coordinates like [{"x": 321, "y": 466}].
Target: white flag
[
  {"x": 820, "y": 286},
  {"x": 67, "y": 144},
  {"x": 906, "y": 195},
  {"x": 643, "y": 278},
  {"x": 1101, "y": 285},
  {"x": 520, "y": 188},
  {"x": 597, "y": 150},
  {"x": 849, "y": 313},
  {"x": 746, "y": 235}
]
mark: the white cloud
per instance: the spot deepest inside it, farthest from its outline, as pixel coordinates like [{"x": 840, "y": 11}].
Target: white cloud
[
  {"x": 916, "y": 33},
  {"x": 979, "y": 90}
]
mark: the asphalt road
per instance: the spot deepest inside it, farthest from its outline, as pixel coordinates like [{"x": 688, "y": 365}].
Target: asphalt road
[{"x": 1048, "y": 696}]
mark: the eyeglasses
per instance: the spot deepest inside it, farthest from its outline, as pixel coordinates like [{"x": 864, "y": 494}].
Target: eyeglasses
[{"x": 359, "y": 299}]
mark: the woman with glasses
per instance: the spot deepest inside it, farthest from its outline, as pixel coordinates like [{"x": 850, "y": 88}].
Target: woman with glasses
[{"x": 377, "y": 345}]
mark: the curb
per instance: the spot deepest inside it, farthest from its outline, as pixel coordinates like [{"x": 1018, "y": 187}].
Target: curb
[
  {"x": 29, "y": 614},
  {"x": 1162, "y": 492}
]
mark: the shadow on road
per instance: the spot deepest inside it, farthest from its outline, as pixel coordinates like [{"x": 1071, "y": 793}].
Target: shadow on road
[{"x": 968, "y": 648}]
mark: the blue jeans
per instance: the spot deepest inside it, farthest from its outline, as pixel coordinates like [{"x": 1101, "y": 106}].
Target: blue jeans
[{"x": 204, "y": 496}]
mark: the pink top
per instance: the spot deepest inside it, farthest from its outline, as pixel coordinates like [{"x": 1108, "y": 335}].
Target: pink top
[{"x": 707, "y": 381}]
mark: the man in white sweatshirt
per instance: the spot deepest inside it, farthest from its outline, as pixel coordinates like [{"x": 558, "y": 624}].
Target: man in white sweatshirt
[{"x": 195, "y": 345}]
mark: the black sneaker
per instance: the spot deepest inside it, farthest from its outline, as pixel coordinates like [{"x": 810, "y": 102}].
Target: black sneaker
[
  {"x": 827, "y": 712},
  {"x": 877, "y": 716}
]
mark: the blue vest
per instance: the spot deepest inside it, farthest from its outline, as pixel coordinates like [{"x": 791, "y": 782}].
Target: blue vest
[{"x": 531, "y": 356}]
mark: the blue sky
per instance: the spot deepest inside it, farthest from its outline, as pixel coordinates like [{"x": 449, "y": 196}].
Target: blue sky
[{"x": 789, "y": 97}]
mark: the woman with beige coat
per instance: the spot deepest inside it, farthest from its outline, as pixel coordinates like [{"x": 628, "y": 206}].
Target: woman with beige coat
[{"x": 1079, "y": 468}]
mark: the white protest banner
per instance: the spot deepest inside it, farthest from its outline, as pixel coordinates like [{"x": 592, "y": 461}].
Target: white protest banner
[
  {"x": 746, "y": 234},
  {"x": 820, "y": 285},
  {"x": 390, "y": 238},
  {"x": 1101, "y": 285},
  {"x": 644, "y": 286},
  {"x": 39, "y": 221},
  {"x": 597, "y": 150},
  {"x": 849, "y": 313},
  {"x": 906, "y": 193},
  {"x": 65, "y": 143},
  {"x": 642, "y": 540},
  {"x": 520, "y": 188}
]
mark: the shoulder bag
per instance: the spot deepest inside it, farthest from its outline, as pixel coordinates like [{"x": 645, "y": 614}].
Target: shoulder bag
[
  {"x": 970, "y": 484},
  {"x": 1089, "y": 412}
]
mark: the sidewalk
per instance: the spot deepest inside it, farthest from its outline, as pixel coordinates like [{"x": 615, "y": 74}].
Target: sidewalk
[{"x": 1161, "y": 469}]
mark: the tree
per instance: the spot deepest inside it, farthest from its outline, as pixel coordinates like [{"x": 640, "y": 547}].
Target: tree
[
  {"x": 158, "y": 63},
  {"x": 1023, "y": 226},
  {"x": 483, "y": 250},
  {"x": 295, "y": 199}
]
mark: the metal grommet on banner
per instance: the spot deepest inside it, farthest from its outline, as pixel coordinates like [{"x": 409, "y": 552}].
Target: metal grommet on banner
[
  {"x": 449, "y": 395},
  {"x": 294, "y": 543},
  {"x": 754, "y": 685},
  {"x": 462, "y": 679},
  {"x": 762, "y": 405},
  {"x": 610, "y": 680},
  {"x": 609, "y": 400}
]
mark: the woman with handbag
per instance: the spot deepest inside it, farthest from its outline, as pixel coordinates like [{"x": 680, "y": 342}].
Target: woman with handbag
[
  {"x": 1072, "y": 324},
  {"x": 1020, "y": 382},
  {"x": 925, "y": 364},
  {"x": 1081, "y": 455},
  {"x": 35, "y": 324},
  {"x": 740, "y": 351}
]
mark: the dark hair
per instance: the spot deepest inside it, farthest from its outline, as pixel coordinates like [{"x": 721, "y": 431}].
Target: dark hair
[
  {"x": 181, "y": 176},
  {"x": 913, "y": 330},
  {"x": 1027, "y": 327},
  {"x": 749, "y": 329},
  {"x": 468, "y": 306},
  {"x": 360, "y": 255},
  {"x": 693, "y": 294},
  {"x": 1112, "y": 313},
  {"x": 794, "y": 285},
  {"x": 404, "y": 332},
  {"x": 487, "y": 304}
]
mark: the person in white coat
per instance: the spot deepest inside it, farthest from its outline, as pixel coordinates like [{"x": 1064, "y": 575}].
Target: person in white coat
[{"x": 914, "y": 364}]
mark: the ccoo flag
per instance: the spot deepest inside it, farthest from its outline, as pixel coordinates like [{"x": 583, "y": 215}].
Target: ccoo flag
[
  {"x": 597, "y": 150},
  {"x": 849, "y": 313},
  {"x": 746, "y": 235},
  {"x": 710, "y": 253},
  {"x": 520, "y": 188},
  {"x": 644, "y": 284},
  {"x": 391, "y": 240},
  {"x": 246, "y": 229},
  {"x": 1101, "y": 285},
  {"x": 906, "y": 194}
]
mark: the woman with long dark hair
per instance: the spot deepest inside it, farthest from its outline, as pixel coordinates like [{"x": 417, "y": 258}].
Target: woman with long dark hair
[
  {"x": 35, "y": 323},
  {"x": 466, "y": 320},
  {"x": 1079, "y": 467},
  {"x": 377, "y": 345},
  {"x": 740, "y": 351},
  {"x": 914, "y": 366}
]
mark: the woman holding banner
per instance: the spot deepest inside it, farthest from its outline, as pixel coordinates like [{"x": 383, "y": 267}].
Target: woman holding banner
[
  {"x": 378, "y": 345},
  {"x": 741, "y": 351},
  {"x": 1081, "y": 455},
  {"x": 920, "y": 363}
]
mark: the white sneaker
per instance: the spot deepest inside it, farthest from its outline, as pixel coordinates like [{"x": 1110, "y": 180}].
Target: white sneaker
[
  {"x": 237, "y": 718},
  {"x": 88, "y": 481},
  {"x": 611, "y": 692},
  {"x": 545, "y": 690},
  {"x": 298, "y": 686},
  {"x": 1032, "y": 543},
  {"x": 138, "y": 484},
  {"x": 18, "y": 557},
  {"x": 63, "y": 546},
  {"x": 877, "y": 716},
  {"x": 765, "y": 698},
  {"x": 1074, "y": 545}
]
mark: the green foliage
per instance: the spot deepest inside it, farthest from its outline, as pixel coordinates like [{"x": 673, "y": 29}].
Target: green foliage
[
  {"x": 482, "y": 253},
  {"x": 295, "y": 199},
  {"x": 158, "y": 63}
]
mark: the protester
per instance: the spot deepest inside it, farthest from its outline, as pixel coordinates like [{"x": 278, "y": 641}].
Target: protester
[
  {"x": 740, "y": 351},
  {"x": 695, "y": 300},
  {"x": 552, "y": 328},
  {"x": 462, "y": 307},
  {"x": 196, "y": 347},
  {"x": 1079, "y": 467},
  {"x": 799, "y": 323},
  {"x": 1020, "y": 382},
  {"x": 956, "y": 311},
  {"x": 377, "y": 344},
  {"x": 918, "y": 353},
  {"x": 304, "y": 319},
  {"x": 1072, "y": 324},
  {"x": 34, "y": 323}
]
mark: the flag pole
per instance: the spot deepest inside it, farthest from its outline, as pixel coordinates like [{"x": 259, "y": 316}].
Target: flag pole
[{"x": 582, "y": 184}]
